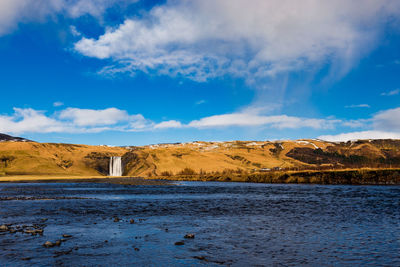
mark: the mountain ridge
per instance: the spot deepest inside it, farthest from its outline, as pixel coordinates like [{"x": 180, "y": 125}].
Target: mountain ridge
[{"x": 198, "y": 157}]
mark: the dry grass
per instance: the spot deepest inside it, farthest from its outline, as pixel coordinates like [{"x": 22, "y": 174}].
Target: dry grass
[
  {"x": 33, "y": 160},
  {"x": 36, "y": 159}
]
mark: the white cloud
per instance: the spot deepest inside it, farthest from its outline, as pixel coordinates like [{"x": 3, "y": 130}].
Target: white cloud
[
  {"x": 13, "y": 12},
  {"x": 168, "y": 124},
  {"x": 72, "y": 120},
  {"x": 360, "y": 123},
  {"x": 358, "y": 106},
  {"x": 139, "y": 123},
  {"x": 385, "y": 121},
  {"x": 76, "y": 120},
  {"x": 29, "y": 120},
  {"x": 58, "y": 104},
  {"x": 391, "y": 93},
  {"x": 360, "y": 135},
  {"x": 251, "y": 120},
  {"x": 388, "y": 120},
  {"x": 200, "y": 102},
  {"x": 91, "y": 117},
  {"x": 74, "y": 31},
  {"x": 383, "y": 125},
  {"x": 203, "y": 39}
]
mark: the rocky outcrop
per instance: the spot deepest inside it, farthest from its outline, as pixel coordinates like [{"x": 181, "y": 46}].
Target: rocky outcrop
[{"x": 98, "y": 161}]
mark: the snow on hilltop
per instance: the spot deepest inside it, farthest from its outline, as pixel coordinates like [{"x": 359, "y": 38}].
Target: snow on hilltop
[{"x": 9, "y": 138}]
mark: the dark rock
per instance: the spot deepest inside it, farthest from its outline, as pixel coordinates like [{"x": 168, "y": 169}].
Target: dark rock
[
  {"x": 12, "y": 231},
  {"x": 26, "y": 258},
  {"x": 98, "y": 161},
  {"x": 48, "y": 244},
  {"x": 116, "y": 219},
  {"x": 136, "y": 249},
  {"x": 132, "y": 221},
  {"x": 66, "y": 236},
  {"x": 57, "y": 243},
  {"x": 189, "y": 236},
  {"x": 30, "y": 231},
  {"x": 3, "y": 228},
  {"x": 34, "y": 231},
  {"x": 179, "y": 243},
  {"x": 105, "y": 241},
  {"x": 166, "y": 229},
  {"x": 44, "y": 219}
]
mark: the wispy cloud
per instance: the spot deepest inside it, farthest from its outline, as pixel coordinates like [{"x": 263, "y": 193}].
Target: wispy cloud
[
  {"x": 382, "y": 125},
  {"x": 58, "y": 104},
  {"x": 74, "y": 31},
  {"x": 391, "y": 93},
  {"x": 358, "y": 106},
  {"x": 77, "y": 120},
  {"x": 360, "y": 135},
  {"x": 91, "y": 117},
  {"x": 200, "y": 102},
  {"x": 168, "y": 124},
  {"x": 12, "y": 12},
  {"x": 72, "y": 120},
  {"x": 387, "y": 120},
  {"x": 251, "y": 120},
  {"x": 205, "y": 39}
]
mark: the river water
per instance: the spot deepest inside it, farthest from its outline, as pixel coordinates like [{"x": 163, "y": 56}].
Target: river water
[{"x": 234, "y": 224}]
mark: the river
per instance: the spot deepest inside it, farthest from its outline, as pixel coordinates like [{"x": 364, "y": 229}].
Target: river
[{"x": 234, "y": 224}]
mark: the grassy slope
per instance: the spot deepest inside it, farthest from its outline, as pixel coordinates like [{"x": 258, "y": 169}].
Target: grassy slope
[
  {"x": 41, "y": 159},
  {"x": 211, "y": 157},
  {"x": 30, "y": 158}
]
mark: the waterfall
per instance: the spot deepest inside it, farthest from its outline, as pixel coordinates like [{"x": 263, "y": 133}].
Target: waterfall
[{"x": 115, "y": 166}]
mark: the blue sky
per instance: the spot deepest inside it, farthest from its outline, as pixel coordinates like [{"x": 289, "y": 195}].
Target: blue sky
[{"x": 140, "y": 72}]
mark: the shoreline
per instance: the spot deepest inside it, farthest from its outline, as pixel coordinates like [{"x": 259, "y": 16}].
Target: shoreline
[
  {"x": 116, "y": 180},
  {"x": 349, "y": 177},
  {"x": 325, "y": 177}
]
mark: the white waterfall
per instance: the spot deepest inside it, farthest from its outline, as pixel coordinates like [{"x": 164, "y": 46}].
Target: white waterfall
[{"x": 115, "y": 166}]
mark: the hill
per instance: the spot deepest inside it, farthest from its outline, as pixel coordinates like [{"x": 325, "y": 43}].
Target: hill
[
  {"x": 6, "y": 137},
  {"x": 196, "y": 158}
]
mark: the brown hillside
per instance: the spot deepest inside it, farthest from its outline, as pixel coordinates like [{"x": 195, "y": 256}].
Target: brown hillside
[{"x": 31, "y": 158}]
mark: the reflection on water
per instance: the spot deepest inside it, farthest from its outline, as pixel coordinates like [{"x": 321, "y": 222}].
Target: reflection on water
[{"x": 234, "y": 224}]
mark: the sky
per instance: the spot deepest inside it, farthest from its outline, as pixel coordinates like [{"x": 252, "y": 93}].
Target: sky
[{"x": 141, "y": 72}]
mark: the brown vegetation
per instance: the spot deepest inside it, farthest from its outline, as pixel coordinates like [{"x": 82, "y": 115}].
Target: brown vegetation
[{"x": 236, "y": 161}]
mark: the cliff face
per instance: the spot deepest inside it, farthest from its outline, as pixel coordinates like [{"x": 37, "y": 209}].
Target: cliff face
[{"x": 31, "y": 158}]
